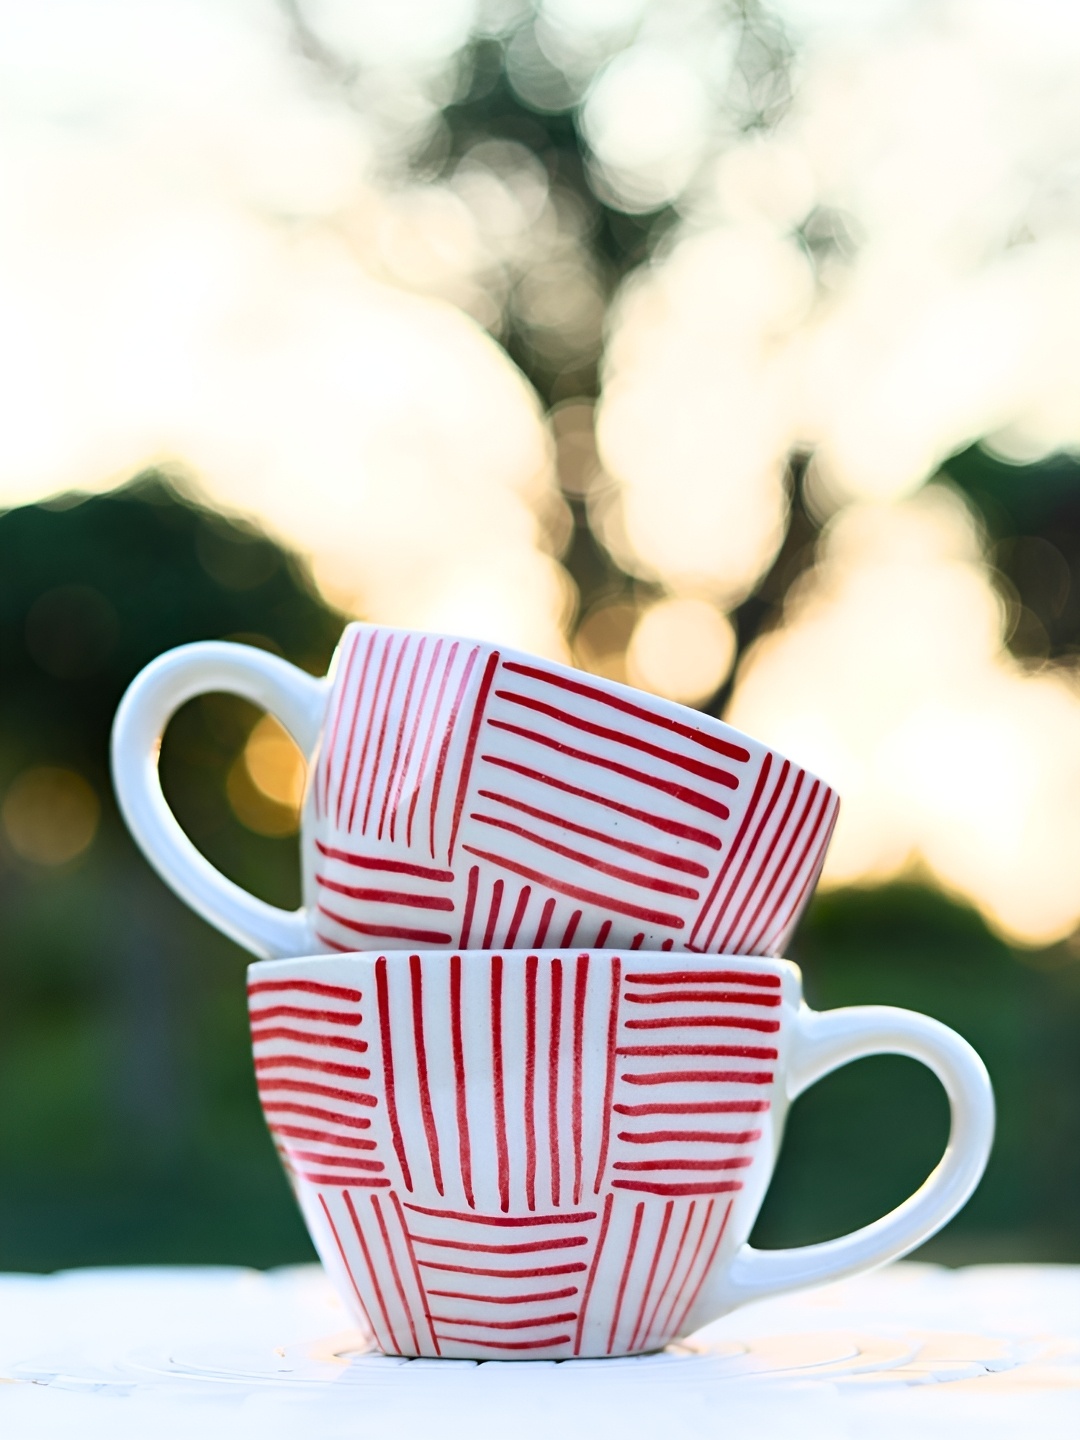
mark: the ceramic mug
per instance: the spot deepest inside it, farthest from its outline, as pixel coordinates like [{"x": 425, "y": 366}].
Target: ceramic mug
[
  {"x": 462, "y": 794},
  {"x": 562, "y": 1153}
]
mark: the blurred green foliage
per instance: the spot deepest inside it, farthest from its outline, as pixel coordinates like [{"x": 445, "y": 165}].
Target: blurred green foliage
[{"x": 129, "y": 1125}]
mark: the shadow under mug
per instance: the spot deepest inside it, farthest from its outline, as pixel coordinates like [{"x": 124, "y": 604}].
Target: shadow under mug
[
  {"x": 556, "y": 1154},
  {"x": 461, "y": 794}
]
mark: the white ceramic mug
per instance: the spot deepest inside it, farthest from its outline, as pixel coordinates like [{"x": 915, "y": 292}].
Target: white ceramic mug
[
  {"x": 557, "y": 1154},
  {"x": 461, "y": 794}
]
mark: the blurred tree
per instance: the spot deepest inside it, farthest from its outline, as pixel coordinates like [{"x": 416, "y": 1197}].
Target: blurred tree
[{"x": 129, "y": 1126}]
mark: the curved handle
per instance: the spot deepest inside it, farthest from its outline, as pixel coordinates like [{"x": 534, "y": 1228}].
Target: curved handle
[
  {"x": 825, "y": 1042},
  {"x": 296, "y": 699}
]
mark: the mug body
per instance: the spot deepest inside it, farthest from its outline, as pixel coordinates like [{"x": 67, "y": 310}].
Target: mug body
[
  {"x": 523, "y": 1154},
  {"x": 464, "y": 795}
]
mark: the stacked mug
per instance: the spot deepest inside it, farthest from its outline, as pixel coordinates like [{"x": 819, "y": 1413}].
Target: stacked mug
[{"x": 526, "y": 1049}]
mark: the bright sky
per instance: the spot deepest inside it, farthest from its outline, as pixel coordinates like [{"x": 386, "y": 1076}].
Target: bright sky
[{"x": 195, "y": 267}]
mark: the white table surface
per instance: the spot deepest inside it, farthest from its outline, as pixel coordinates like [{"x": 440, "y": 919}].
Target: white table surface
[{"x": 914, "y": 1350}]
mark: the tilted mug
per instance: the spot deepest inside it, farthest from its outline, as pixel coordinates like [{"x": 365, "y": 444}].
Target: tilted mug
[
  {"x": 461, "y": 793},
  {"x": 562, "y": 1153}
]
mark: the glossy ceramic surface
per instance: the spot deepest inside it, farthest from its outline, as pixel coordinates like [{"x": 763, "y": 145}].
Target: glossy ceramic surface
[
  {"x": 562, "y": 1153},
  {"x": 463, "y": 795}
]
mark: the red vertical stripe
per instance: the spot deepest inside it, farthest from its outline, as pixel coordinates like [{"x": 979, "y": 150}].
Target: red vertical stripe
[
  {"x": 381, "y": 990},
  {"x": 383, "y": 726},
  {"x": 372, "y": 709},
  {"x": 581, "y": 981},
  {"x": 635, "y": 1232},
  {"x": 426, "y": 1111},
  {"x": 327, "y": 758},
  {"x": 571, "y": 929},
  {"x": 801, "y": 861},
  {"x": 419, "y": 715},
  {"x": 545, "y": 921},
  {"x": 592, "y": 1271},
  {"x": 348, "y": 1268},
  {"x": 416, "y": 1270},
  {"x": 751, "y": 850},
  {"x": 518, "y": 915},
  {"x": 406, "y": 715},
  {"x": 343, "y": 775},
  {"x": 421, "y": 769},
  {"x": 668, "y": 1328},
  {"x": 763, "y": 775},
  {"x": 448, "y": 731},
  {"x": 645, "y": 1294},
  {"x": 502, "y": 1151},
  {"x": 464, "y": 1147},
  {"x": 602, "y": 934},
  {"x": 609, "y": 1079},
  {"x": 395, "y": 1272},
  {"x": 493, "y": 914},
  {"x": 651, "y": 1327},
  {"x": 372, "y": 1272},
  {"x": 470, "y": 906},
  {"x": 470, "y": 748},
  {"x": 774, "y": 871},
  {"x": 704, "y": 1270},
  {"x": 553, "y": 1077},
  {"x": 808, "y": 884},
  {"x": 531, "y": 964}
]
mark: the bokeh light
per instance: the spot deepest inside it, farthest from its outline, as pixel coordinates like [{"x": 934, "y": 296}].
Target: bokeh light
[{"x": 49, "y": 815}]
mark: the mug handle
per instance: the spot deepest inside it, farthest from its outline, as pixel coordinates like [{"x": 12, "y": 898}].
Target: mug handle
[
  {"x": 824, "y": 1042},
  {"x": 293, "y": 697}
]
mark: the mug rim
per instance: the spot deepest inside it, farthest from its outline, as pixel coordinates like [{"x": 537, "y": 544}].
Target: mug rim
[
  {"x": 770, "y": 963},
  {"x": 672, "y": 709}
]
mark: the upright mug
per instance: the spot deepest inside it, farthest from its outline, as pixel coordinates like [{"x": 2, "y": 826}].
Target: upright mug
[
  {"x": 550, "y": 1154},
  {"x": 464, "y": 794}
]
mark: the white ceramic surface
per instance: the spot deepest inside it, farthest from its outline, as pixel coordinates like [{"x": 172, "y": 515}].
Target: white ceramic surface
[
  {"x": 562, "y": 1153},
  {"x": 462, "y": 795}
]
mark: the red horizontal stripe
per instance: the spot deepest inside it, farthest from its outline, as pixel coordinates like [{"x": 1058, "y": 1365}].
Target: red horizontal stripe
[
  {"x": 387, "y": 897},
  {"x": 702, "y": 1187},
  {"x": 707, "y": 1137},
  {"x": 644, "y": 852},
  {"x": 640, "y": 712},
  {"x": 691, "y": 997},
  {"x": 624, "y": 737},
  {"x": 682, "y": 793},
  {"x": 308, "y": 1087},
  {"x": 308, "y": 987},
  {"x": 345, "y": 1182},
  {"x": 301, "y": 1132},
  {"x": 699, "y": 1022},
  {"x": 314, "y": 1112},
  {"x": 504, "y": 1219},
  {"x": 704, "y": 977},
  {"x": 578, "y": 1267},
  {"x": 393, "y": 932},
  {"x": 507, "y": 1299},
  {"x": 376, "y": 862},
  {"x": 335, "y": 1161},
  {"x": 696, "y": 1107},
  {"x": 592, "y": 862},
  {"x": 712, "y": 1077},
  {"x": 299, "y": 1012},
  {"x": 307, "y": 1037},
  {"x": 663, "y": 823},
  {"x": 744, "y": 1052},
  {"x": 333, "y": 944},
  {"x": 525, "y": 1247},
  {"x": 575, "y": 892},
  {"x": 732, "y": 1162},
  {"x": 506, "y": 1324},
  {"x": 303, "y": 1062},
  {"x": 510, "y": 1344}
]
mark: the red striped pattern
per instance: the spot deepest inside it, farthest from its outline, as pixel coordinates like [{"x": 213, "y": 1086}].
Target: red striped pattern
[
  {"x": 465, "y": 798},
  {"x": 513, "y": 1163}
]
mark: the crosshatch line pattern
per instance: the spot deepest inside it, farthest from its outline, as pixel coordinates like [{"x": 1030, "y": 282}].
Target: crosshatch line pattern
[
  {"x": 466, "y": 798},
  {"x": 526, "y": 1154}
]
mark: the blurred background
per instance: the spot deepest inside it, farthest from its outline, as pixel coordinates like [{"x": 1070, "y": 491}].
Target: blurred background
[{"x": 723, "y": 347}]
